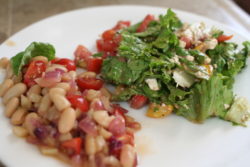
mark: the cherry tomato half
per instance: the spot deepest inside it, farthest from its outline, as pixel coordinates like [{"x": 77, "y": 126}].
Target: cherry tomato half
[
  {"x": 94, "y": 65},
  {"x": 69, "y": 64},
  {"x": 143, "y": 26},
  {"x": 78, "y": 101},
  {"x": 89, "y": 83},
  {"x": 138, "y": 101},
  {"x": 75, "y": 144},
  {"x": 35, "y": 70}
]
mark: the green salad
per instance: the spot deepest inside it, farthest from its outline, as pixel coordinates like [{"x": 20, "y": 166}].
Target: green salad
[{"x": 187, "y": 69}]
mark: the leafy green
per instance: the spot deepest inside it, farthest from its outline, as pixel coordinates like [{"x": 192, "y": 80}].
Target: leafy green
[
  {"x": 206, "y": 99},
  {"x": 33, "y": 50}
]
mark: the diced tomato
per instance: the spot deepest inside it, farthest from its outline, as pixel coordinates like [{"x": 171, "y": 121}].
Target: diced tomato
[
  {"x": 81, "y": 55},
  {"x": 187, "y": 41},
  {"x": 138, "y": 101},
  {"x": 118, "y": 109},
  {"x": 121, "y": 25},
  {"x": 35, "y": 70},
  {"x": 78, "y": 101},
  {"x": 223, "y": 38},
  {"x": 94, "y": 64},
  {"x": 69, "y": 64},
  {"x": 75, "y": 144},
  {"x": 108, "y": 35},
  {"x": 143, "y": 26},
  {"x": 89, "y": 83}
]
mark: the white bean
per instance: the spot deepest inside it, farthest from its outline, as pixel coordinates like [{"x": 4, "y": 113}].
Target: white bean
[
  {"x": 30, "y": 120},
  {"x": 4, "y": 62},
  {"x": 9, "y": 71},
  {"x": 5, "y": 86},
  {"x": 100, "y": 143},
  {"x": 35, "y": 89},
  {"x": 53, "y": 67},
  {"x": 127, "y": 156},
  {"x": 60, "y": 102},
  {"x": 20, "y": 131},
  {"x": 15, "y": 91},
  {"x": 35, "y": 98},
  {"x": 87, "y": 74},
  {"x": 11, "y": 106},
  {"x": 45, "y": 150},
  {"x": 56, "y": 91},
  {"x": 64, "y": 137},
  {"x": 63, "y": 85},
  {"x": 93, "y": 94},
  {"x": 18, "y": 117},
  {"x": 90, "y": 146},
  {"x": 103, "y": 132},
  {"x": 102, "y": 118},
  {"x": 67, "y": 120},
  {"x": 44, "y": 105},
  {"x": 40, "y": 58},
  {"x": 25, "y": 102}
]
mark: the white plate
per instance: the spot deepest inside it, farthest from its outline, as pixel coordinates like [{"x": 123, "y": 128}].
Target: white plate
[{"x": 171, "y": 141}]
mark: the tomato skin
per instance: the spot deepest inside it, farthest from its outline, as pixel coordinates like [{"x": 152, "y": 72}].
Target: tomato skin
[
  {"x": 143, "y": 26},
  {"x": 138, "y": 101},
  {"x": 187, "y": 41},
  {"x": 74, "y": 144},
  {"x": 35, "y": 70},
  {"x": 117, "y": 109},
  {"x": 78, "y": 101},
  {"x": 108, "y": 35},
  {"x": 121, "y": 25},
  {"x": 81, "y": 55},
  {"x": 69, "y": 64},
  {"x": 94, "y": 65},
  {"x": 89, "y": 83},
  {"x": 223, "y": 38}
]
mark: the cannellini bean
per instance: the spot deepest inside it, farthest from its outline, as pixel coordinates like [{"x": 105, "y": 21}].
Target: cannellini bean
[
  {"x": 64, "y": 137},
  {"x": 15, "y": 91},
  {"x": 35, "y": 89},
  {"x": 90, "y": 146},
  {"x": 105, "y": 92},
  {"x": 35, "y": 98},
  {"x": 56, "y": 91},
  {"x": 60, "y": 102},
  {"x": 44, "y": 105},
  {"x": 52, "y": 114},
  {"x": 92, "y": 94},
  {"x": 67, "y": 120},
  {"x": 20, "y": 131},
  {"x": 4, "y": 62},
  {"x": 63, "y": 85},
  {"x": 25, "y": 102},
  {"x": 72, "y": 74},
  {"x": 45, "y": 91},
  {"x": 45, "y": 150},
  {"x": 30, "y": 120},
  {"x": 127, "y": 156},
  {"x": 87, "y": 74},
  {"x": 40, "y": 58},
  {"x": 9, "y": 71},
  {"x": 17, "y": 79},
  {"x": 102, "y": 118},
  {"x": 11, "y": 106},
  {"x": 5, "y": 86},
  {"x": 100, "y": 143},
  {"x": 103, "y": 132},
  {"x": 112, "y": 161},
  {"x": 18, "y": 117}
]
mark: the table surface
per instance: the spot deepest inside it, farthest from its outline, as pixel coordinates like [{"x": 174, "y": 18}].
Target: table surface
[{"x": 17, "y": 14}]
